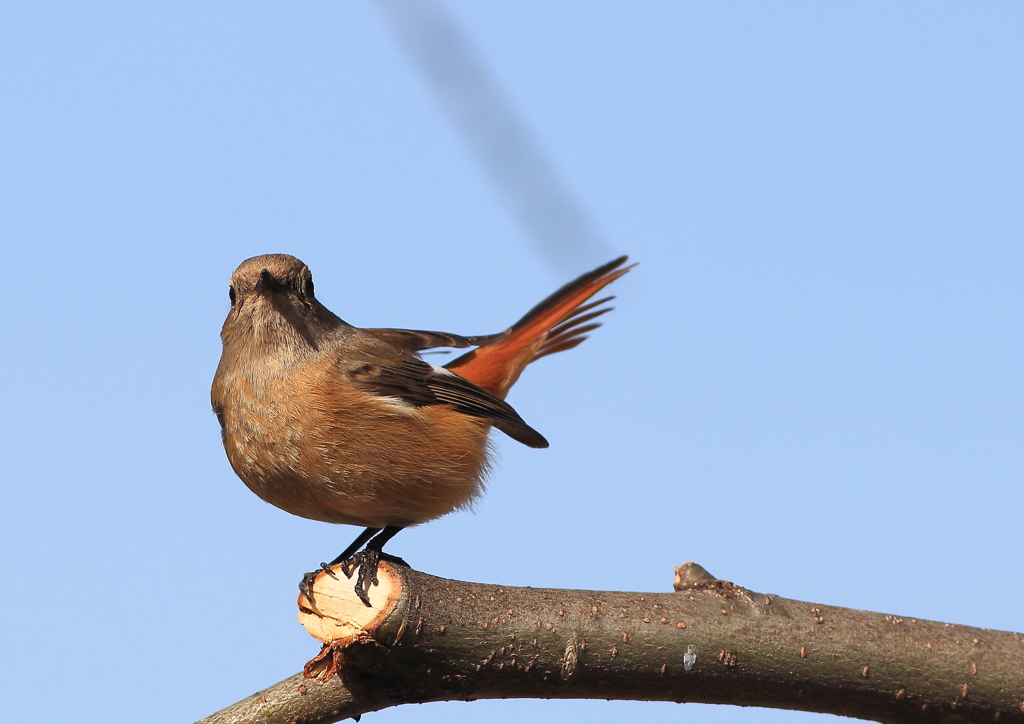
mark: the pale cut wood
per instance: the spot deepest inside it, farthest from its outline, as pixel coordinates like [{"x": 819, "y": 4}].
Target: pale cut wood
[{"x": 336, "y": 616}]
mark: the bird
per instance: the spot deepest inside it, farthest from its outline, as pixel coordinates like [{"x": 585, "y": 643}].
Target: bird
[{"x": 350, "y": 425}]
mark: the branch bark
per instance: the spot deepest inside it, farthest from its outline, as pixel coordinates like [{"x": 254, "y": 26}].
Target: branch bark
[{"x": 432, "y": 639}]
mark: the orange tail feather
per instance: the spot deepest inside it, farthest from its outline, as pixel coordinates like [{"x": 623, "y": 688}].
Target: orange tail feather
[{"x": 558, "y": 323}]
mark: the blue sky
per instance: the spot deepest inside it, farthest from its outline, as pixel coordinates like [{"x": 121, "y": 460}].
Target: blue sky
[{"x": 811, "y": 384}]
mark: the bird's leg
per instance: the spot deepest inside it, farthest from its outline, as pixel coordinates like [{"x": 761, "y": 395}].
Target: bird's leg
[
  {"x": 368, "y": 559},
  {"x": 356, "y": 545},
  {"x": 306, "y": 584}
]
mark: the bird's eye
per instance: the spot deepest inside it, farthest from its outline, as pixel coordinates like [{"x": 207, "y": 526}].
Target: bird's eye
[{"x": 231, "y": 295}]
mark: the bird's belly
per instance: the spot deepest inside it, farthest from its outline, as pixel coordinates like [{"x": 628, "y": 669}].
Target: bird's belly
[{"x": 371, "y": 465}]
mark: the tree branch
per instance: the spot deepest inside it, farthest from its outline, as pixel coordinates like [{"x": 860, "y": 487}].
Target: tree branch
[{"x": 432, "y": 639}]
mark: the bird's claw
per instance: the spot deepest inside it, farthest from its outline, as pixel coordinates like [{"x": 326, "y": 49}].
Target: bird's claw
[
  {"x": 306, "y": 586},
  {"x": 367, "y": 561}
]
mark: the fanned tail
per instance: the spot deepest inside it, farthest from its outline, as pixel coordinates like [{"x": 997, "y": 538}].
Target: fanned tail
[{"x": 558, "y": 323}]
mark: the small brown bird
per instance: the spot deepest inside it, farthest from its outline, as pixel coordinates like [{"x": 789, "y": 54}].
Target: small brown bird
[{"x": 347, "y": 425}]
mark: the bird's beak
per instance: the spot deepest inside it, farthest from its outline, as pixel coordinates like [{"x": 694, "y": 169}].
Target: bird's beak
[{"x": 267, "y": 284}]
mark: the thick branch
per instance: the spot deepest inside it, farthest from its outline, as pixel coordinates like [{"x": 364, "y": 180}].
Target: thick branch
[{"x": 431, "y": 639}]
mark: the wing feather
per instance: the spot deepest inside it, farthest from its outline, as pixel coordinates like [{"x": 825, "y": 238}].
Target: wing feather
[{"x": 420, "y": 383}]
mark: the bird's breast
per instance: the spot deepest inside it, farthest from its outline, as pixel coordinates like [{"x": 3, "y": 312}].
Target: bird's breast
[{"x": 309, "y": 443}]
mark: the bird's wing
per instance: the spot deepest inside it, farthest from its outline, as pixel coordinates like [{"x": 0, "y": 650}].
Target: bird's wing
[
  {"x": 418, "y": 339},
  {"x": 409, "y": 378}
]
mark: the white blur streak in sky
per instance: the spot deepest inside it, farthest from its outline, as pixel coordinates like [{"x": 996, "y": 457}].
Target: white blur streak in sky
[{"x": 498, "y": 137}]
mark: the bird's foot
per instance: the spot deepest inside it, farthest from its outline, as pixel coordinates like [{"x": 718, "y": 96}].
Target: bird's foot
[
  {"x": 306, "y": 584},
  {"x": 367, "y": 560}
]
